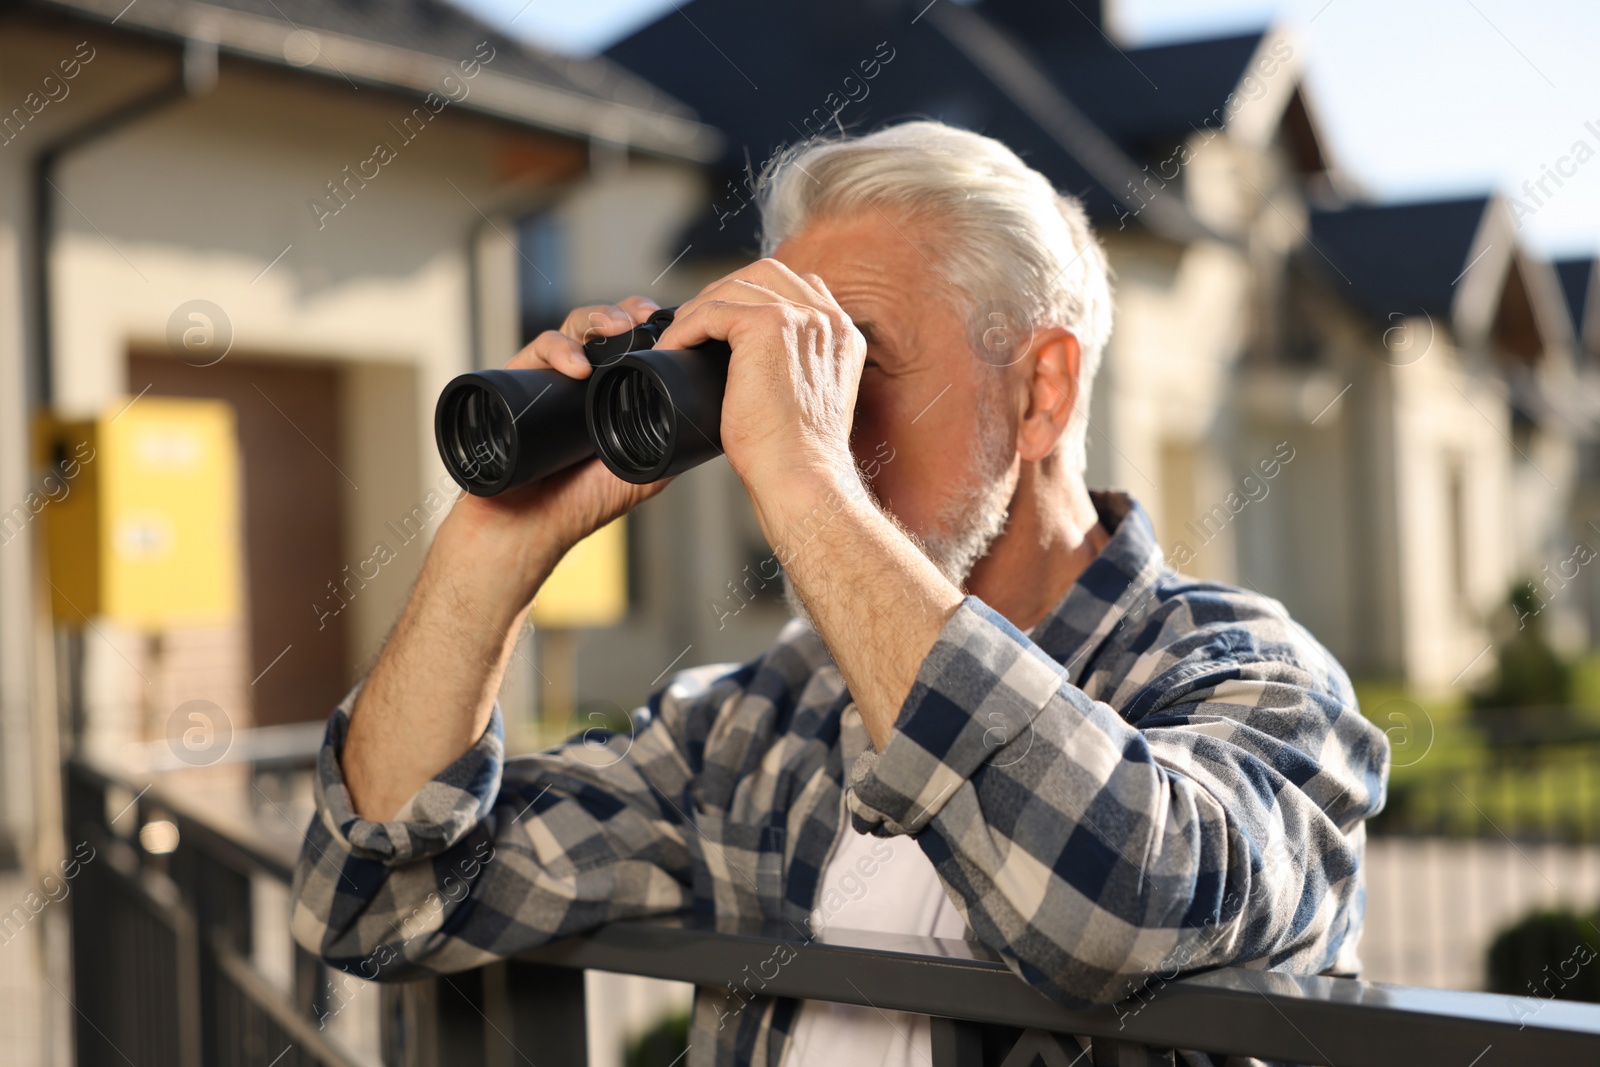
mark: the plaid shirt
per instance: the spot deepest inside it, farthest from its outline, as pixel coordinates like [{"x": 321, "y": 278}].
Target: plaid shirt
[{"x": 1167, "y": 775}]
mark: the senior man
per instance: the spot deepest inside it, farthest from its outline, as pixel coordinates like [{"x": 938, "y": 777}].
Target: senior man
[{"x": 999, "y": 715}]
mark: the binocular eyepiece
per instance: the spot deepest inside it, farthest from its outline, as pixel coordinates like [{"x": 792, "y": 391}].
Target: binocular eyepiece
[{"x": 649, "y": 414}]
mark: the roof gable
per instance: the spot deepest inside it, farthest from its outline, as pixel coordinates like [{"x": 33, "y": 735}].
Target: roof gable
[
  {"x": 1578, "y": 283},
  {"x": 1400, "y": 258},
  {"x": 1458, "y": 261}
]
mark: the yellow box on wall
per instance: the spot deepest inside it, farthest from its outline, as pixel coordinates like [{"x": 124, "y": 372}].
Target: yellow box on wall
[
  {"x": 589, "y": 587},
  {"x": 63, "y": 500},
  {"x": 148, "y": 532}
]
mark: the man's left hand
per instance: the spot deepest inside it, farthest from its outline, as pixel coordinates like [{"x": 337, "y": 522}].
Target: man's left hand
[
  {"x": 793, "y": 377},
  {"x": 877, "y": 601}
]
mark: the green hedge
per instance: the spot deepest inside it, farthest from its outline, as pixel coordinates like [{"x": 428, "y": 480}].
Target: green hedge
[
  {"x": 660, "y": 1046},
  {"x": 1548, "y": 954}
]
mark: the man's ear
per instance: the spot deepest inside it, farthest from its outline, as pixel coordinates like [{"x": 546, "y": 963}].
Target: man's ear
[{"x": 1052, "y": 392}]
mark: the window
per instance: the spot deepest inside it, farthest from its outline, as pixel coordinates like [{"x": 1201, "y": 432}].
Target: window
[{"x": 542, "y": 267}]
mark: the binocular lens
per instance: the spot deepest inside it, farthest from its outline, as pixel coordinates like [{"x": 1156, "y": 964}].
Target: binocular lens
[
  {"x": 634, "y": 416},
  {"x": 479, "y": 435},
  {"x": 650, "y": 414}
]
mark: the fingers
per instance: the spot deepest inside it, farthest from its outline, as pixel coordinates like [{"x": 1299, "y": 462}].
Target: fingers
[
  {"x": 718, "y": 318},
  {"x": 773, "y": 275},
  {"x": 764, "y": 281},
  {"x": 639, "y": 307},
  {"x": 714, "y": 312},
  {"x": 807, "y": 288},
  {"x": 555, "y": 351},
  {"x": 819, "y": 286},
  {"x": 563, "y": 350},
  {"x": 599, "y": 320}
]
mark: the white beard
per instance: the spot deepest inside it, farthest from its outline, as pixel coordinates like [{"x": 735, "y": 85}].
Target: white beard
[{"x": 969, "y": 522}]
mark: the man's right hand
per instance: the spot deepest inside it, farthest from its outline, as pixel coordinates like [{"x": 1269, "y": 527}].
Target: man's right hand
[
  {"x": 431, "y": 693},
  {"x": 522, "y": 533}
]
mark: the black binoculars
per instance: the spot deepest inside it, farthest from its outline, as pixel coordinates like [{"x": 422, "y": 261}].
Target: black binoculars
[{"x": 647, "y": 413}]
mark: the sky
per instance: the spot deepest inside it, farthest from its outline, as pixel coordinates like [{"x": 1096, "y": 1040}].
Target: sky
[{"x": 1415, "y": 98}]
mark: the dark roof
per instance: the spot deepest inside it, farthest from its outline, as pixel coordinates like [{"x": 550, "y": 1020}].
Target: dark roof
[
  {"x": 410, "y": 45},
  {"x": 758, "y": 71},
  {"x": 1047, "y": 18},
  {"x": 1149, "y": 100},
  {"x": 1397, "y": 257},
  {"x": 1577, "y": 285}
]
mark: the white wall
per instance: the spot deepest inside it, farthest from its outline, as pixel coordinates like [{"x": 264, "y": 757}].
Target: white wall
[
  {"x": 1179, "y": 329},
  {"x": 1434, "y": 905},
  {"x": 1443, "y": 416}
]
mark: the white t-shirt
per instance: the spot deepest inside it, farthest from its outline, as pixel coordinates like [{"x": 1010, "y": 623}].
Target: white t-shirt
[{"x": 884, "y": 884}]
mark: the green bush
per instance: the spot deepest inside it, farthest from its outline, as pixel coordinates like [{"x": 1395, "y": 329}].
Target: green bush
[
  {"x": 1548, "y": 954},
  {"x": 1531, "y": 674},
  {"x": 1533, "y": 687},
  {"x": 660, "y": 1046}
]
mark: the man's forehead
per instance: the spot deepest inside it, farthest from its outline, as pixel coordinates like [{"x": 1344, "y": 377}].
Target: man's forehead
[{"x": 878, "y": 278}]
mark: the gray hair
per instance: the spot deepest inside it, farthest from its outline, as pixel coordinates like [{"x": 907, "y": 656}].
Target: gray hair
[{"x": 1022, "y": 254}]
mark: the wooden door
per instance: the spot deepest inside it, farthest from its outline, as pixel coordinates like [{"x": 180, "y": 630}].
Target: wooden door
[{"x": 293, "y": 499}]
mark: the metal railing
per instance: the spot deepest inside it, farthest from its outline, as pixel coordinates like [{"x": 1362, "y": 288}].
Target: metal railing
[
  {"x": 161, "y": 943},
  {"x": 163, "y": 975},
  {"x": 1534, "y": 776}
]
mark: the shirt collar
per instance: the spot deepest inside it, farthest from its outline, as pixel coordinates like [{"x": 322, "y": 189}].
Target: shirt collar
[{"x": 1117, "y": 585}]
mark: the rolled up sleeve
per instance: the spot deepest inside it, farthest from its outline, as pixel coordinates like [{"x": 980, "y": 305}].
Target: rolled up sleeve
[
  {"x": 495, "y": 856},
  {"x": 978, "y": 691},
  {"x": 1214, "y": 819},
  {"x": 436, "y": 817}
]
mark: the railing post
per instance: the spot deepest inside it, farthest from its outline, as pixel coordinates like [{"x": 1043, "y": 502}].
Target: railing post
[
  {"x": 435, "y": 1022},
  {"x": 499, "y": 1015},
  {"x": 536, "y": 1011},
  {"x": 219, "y": 900},
  {"x": 137, "y": 991},
  {"x": 955, "y": 1043},
  {"x": 92, "y": 921},
  {"x": 310, "y": 984}
]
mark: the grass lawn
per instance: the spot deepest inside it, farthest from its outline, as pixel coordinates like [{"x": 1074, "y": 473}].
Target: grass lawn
[{"x": 1446, "y": 779}]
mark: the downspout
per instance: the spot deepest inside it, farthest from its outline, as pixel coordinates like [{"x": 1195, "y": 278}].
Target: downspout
[{"x": 197, "y": 75}]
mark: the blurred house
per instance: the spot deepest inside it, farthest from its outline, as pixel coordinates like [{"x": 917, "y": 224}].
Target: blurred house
[
  {"x": 313, "y": 214},
  {"x": 308, "y": 210},
  {"x": 1378, "y": 414},
  {"x": 1580, "y": 285},
  {"x": 1447, "y": 472},
  {"x": 1372, "y": 413}
]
